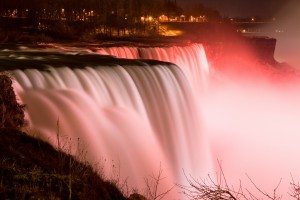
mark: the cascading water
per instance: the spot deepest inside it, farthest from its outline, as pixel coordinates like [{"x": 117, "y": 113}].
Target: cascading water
[
  {"x": 120, "y": 52},
  {"x": 126, "y": 116},
  {"x": 191, "y": 59}
]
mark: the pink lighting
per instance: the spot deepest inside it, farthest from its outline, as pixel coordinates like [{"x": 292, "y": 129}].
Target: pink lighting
[{"x": 185, "y": 115}]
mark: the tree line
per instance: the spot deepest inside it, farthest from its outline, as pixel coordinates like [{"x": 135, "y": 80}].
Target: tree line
[{"x": 106, "y": 17}]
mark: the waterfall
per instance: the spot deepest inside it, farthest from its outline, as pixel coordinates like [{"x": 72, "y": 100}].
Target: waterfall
[
  {"x": 129, "y": 119},
  {"x": 191, "y": 59}
]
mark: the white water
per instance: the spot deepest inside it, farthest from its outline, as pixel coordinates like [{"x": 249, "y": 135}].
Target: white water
[
  {"x": 191, "y": 59},
  {"x": 129, "y": 119}
]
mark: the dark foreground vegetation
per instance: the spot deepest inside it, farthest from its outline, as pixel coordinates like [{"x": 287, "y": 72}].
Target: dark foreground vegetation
[{"x": 32, "y": 169}]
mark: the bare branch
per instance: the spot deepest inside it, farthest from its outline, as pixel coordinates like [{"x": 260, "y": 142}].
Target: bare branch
[
  {"x": 273, "y": 197},
  {"x": 295, "y": 189},
  {"x": 218, "y": 189},
  {"x": 153, "y": 184}
]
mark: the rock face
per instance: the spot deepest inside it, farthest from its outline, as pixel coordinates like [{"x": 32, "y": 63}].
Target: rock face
[
  {"x": 264, "y": 48},
  {"x": 11, "y": 112}
]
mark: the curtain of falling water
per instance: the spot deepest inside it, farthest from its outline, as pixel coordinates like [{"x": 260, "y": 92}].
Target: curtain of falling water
[
  {"x": 133, "y": 117},
  {"x": 191, "y": 59}
]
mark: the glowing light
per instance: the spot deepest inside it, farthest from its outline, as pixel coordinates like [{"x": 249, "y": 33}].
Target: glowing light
[
  {"x": 279, "y": 31},
  {"x": 172, "y": 33},
  {"x": 192, "y": 19},
  {"x": 163, "y": 18}
]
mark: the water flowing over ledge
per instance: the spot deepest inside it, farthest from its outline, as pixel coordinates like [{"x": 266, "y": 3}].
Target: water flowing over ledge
[
  {"x": 191, "y": 59},
  {"x": 129, "y": 115}
]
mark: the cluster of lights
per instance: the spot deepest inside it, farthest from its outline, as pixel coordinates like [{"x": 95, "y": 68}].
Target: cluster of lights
[
  {"x": 163, "y": 18},
  {"x": 198, "y": 19},
  {"x": 182, "y": 18},
  {"x": 147, "y": 19},
  {"x": 257, "y": 30},
  {"x": 85, "y": 15},
  {"x": 12, "y": 13},
  {"x": 55, "y": 14}
]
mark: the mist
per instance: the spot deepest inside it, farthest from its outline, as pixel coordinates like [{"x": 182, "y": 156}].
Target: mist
[{"x": 252, "y": 118}]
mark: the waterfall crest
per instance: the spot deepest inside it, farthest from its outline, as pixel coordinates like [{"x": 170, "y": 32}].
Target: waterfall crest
[{"x": 191, "y": 59}]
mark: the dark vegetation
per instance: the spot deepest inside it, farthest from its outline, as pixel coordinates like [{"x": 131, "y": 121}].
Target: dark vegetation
[
  {"x": 70, "y": 20},
  {"x": 32, "y": 169}
]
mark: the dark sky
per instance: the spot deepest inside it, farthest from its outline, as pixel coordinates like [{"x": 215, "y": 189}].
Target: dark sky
[{"x": 244, "y": 7}]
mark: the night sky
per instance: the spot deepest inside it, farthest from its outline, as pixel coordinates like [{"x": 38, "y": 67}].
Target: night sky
[{"x": 232, "y": 8}]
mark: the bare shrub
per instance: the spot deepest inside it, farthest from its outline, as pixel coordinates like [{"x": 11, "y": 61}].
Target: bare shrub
[
  {"x": 295, "y": 189},
  {"x": 153, "y": 186},
  {"x": 219, "y": 189}
]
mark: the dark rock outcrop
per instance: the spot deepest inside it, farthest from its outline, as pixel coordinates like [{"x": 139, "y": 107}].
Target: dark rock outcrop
[{"x": 11, "y": 112}]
